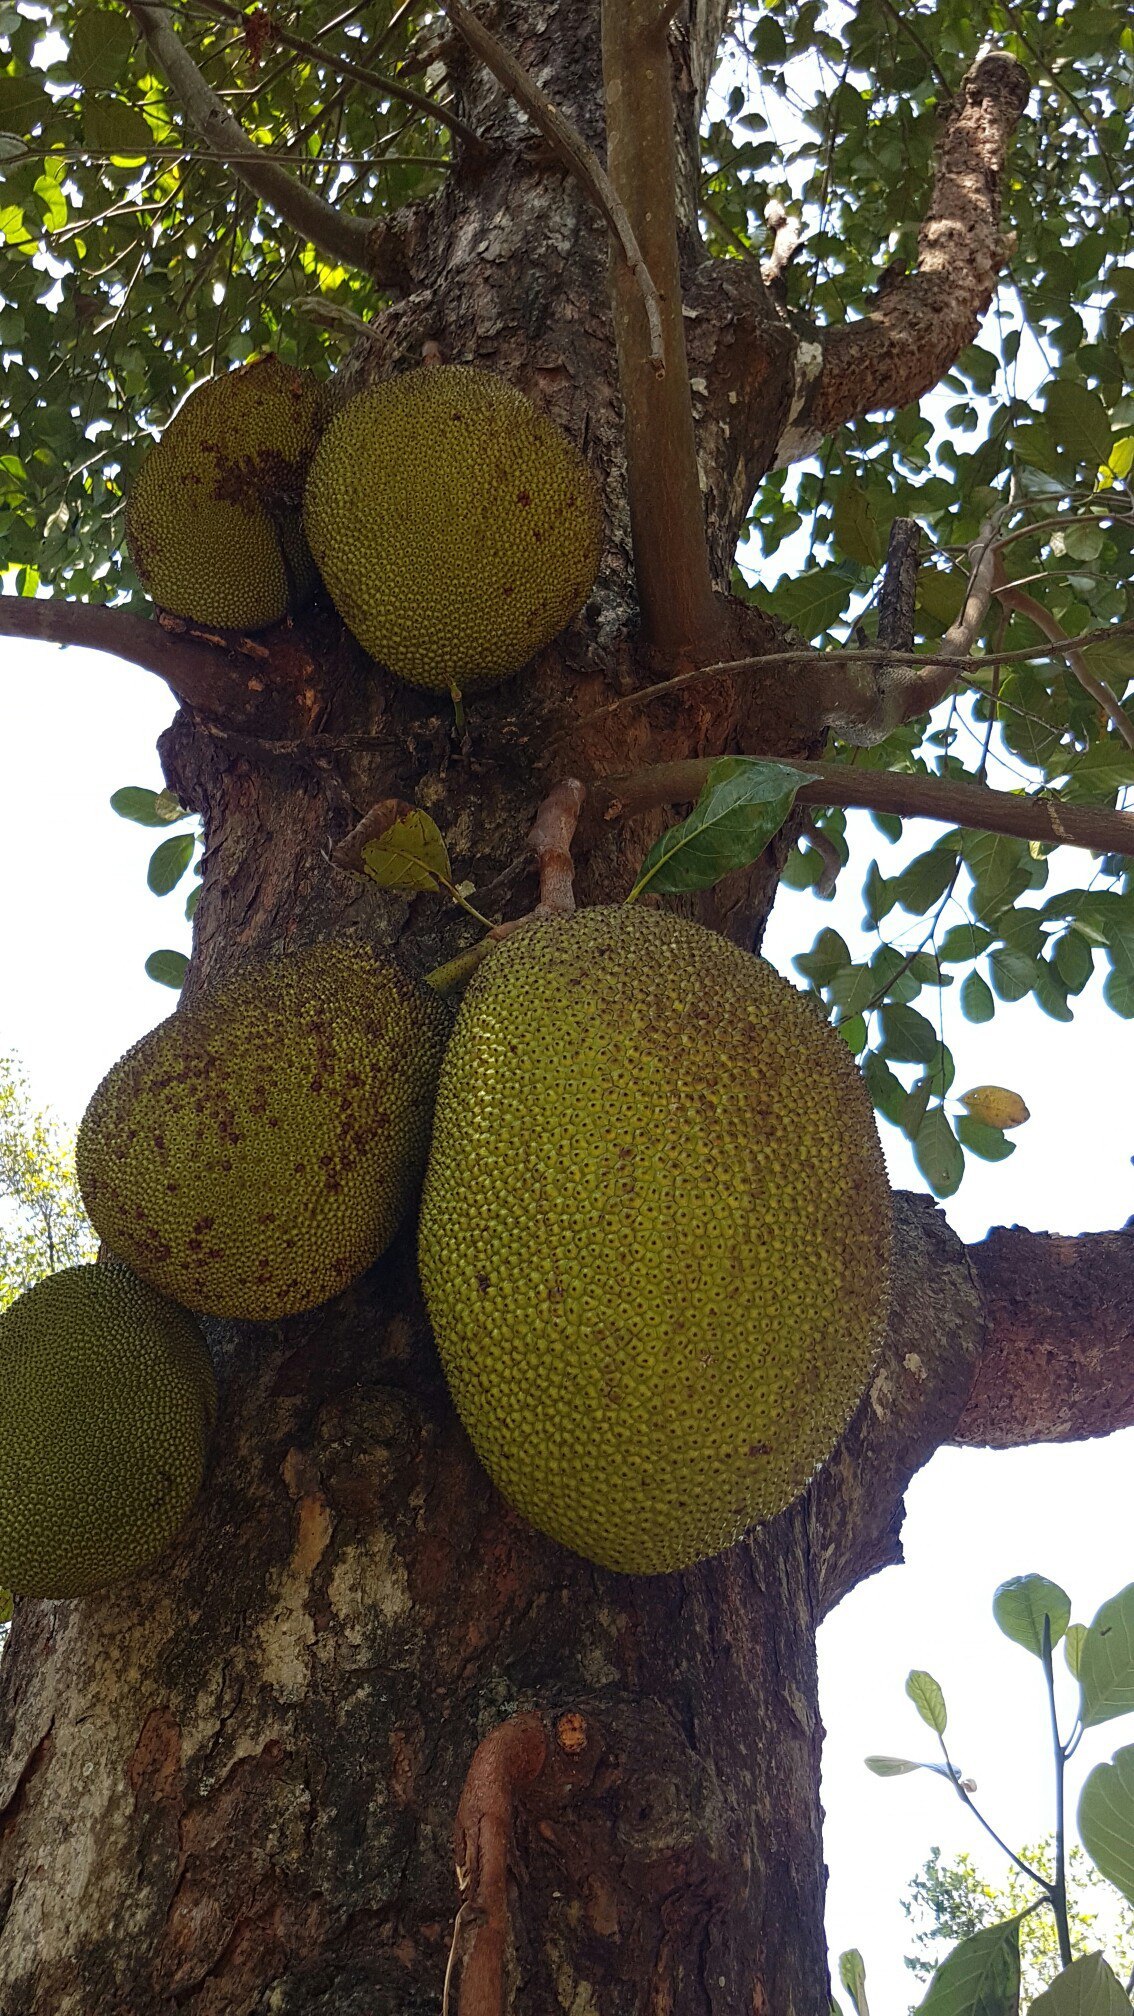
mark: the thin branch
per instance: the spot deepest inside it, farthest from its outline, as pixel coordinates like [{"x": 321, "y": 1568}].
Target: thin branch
[
  {"x": 897, "y": 597},
  {"x": 376, "y": 80},
  {"x": 674, "y": 577},
  {"x": 337, "y": 234},
  {"x": 949, "y": 800},
  {"x": 569, "y": 147},
  {"x": 1016, "y": 601},
  {"x": 919, "y": 325}
]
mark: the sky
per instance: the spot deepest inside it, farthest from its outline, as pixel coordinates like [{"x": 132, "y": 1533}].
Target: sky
[{"x": 76, "y": 924}]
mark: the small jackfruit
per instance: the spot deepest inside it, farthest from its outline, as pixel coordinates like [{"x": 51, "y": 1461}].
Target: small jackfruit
[
  {"x": 214, "y": 517},
  {"x": 457, "y": 530},
  {"x": 255, "y": 1152},
  {"x": 654, "y": 1235},
  {"x": 106, "y": 1398}
]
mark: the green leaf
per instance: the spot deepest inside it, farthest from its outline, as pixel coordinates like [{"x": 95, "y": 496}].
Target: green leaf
[
  {"x": 891, "y": 1767},
  {"x": 977, "y": 1004},
  {"x": 169, "y": 968},
  {"x": 1118, "y": 993},
  {"x": 928, "y": 1699},
  {"x": 907, "y": 1036},
  {"x": 886, "y": 1090},
  {"x": 1106, "y": 1819},
  {"x": 941, "y": 594},
  {"x": 744, "y": 803},
  {"x": 101, "y": 46},
  {"x": 980, "y": 1139},
  {"x": 1087, "y": 1988},
  {"x": 24, "y": 104},
  {"x": 980, "y": 1977},
  {"x": 963, "y": 941},
  {"x": 852, "y": 1974},
  {"x": 827, "y": 955},
  {"x": 856, "y": 528},
  {"x": 1080, "y": 420},
  {"x": 112, "y": 128},
  {"x": 398, "y": 846},
  {"x": 169, "y": 861},
  {"x": 1001, "y": 869},
  {"x": 1020, "y": 1606},
  {"x": 1013, "y": 973},
  {"x": 938, "y": 1154},
  {"x": 924, "y": 881},
  {"x": 147, "y": 808},
  {"x": 813, "y": 600},
  {"x": 1106, "y": 1662},
  {"x": 1073, "y": 1647}
]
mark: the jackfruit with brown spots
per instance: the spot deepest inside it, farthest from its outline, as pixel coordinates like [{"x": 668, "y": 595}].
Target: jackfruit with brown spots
[
  {"x": 255, "y": 1152},
  {"x": 214, "y": 518},
  {"x": 654, "y": 1236},
  {"x": 106, "y": 1400},
  {"x": 457, "y": 529}
]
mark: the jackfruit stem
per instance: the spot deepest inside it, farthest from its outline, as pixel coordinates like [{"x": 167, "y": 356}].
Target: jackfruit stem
[
  {"x": 550, "y": 841},
  {"x": 453, "y": 977}
]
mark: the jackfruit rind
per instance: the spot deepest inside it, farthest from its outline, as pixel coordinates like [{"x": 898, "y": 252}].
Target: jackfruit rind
[
  {"x": 255, "y": 1152},
  {"x": 457, "y": 530},
  {"x": 654, "y": 1234},
  {"x": 106, "y": 1398},
  {"x": 214, "y": 517}
]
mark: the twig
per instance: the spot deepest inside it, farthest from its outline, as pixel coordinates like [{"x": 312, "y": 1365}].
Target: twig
[
  {"x": 1018, "y": 602},
  {"x": 377, "y": 80},
  {"x": 949, "y": 800},
  {"x": 570, "y": 148},
  {"x": 336, "y": 233}
]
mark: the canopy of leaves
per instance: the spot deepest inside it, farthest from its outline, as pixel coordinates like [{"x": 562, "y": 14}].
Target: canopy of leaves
[
  {"x": 42, "y": 1222},
  {"x": 133, "y": 264},
  {"x": 950, "y": 1900}
]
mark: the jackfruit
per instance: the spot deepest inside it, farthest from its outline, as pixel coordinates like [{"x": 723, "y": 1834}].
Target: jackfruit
[
  {"x": 456, "y": 529},
  {"x": 214, "y": 517},
  {"x": 255, "y": 1152},
  {"x": 654, "y": 1234},
  {"x": 106, "y": 1399}
]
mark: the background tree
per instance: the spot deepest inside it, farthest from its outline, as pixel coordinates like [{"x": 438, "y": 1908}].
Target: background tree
[
  {"x": 951, "y": 1900},
  {"x": 43, "y": 1225},
  {"x": 231, "y": 1786}
]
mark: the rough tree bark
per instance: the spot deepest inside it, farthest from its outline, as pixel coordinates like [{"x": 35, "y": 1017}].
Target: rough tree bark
[{"x": 231, "y": 1786}]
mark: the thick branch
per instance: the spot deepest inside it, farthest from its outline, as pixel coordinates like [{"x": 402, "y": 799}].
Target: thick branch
[
  {"x": 223, "y": 676},
  {"x": 947, "y": 799},
  {"x": 920, "y": 324},
  {"x": 1058, "y": 1360},
  {"x": 570, "y": 148},
  {"x": 667, "y": 516},
  {"x": 339, "y": 235}
]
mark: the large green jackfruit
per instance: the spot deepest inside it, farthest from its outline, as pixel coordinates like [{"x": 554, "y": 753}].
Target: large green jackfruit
[
  {"x": 106, "y": 1399},
  {"x": 457, "y": 530},
  {"x": 654, "y": 1234},
  {"x": 214, "y": 518},
  {"x": 255, "y": 1152}
]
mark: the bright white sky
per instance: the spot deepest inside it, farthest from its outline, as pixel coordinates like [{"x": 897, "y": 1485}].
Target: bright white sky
[{"x": 76, "y": 923}]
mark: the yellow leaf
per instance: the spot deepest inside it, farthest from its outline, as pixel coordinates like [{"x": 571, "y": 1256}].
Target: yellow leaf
[
  {"x": 399, "y": 847},
  {"x": 995, "y": 1106}
]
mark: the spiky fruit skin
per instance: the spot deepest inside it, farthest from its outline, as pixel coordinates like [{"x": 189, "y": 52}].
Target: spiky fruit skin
[
  {"x": 214, "y": 517},
  {"x": 255, "y": 1153},
  {"x": 457, "y": 530},
  {"x": 106, "y": 1399},
  {"x": 655, "y": 1234}
]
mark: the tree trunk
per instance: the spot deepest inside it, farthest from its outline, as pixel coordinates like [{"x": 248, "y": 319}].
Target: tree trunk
[{"x": 231, "y": 1786}]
